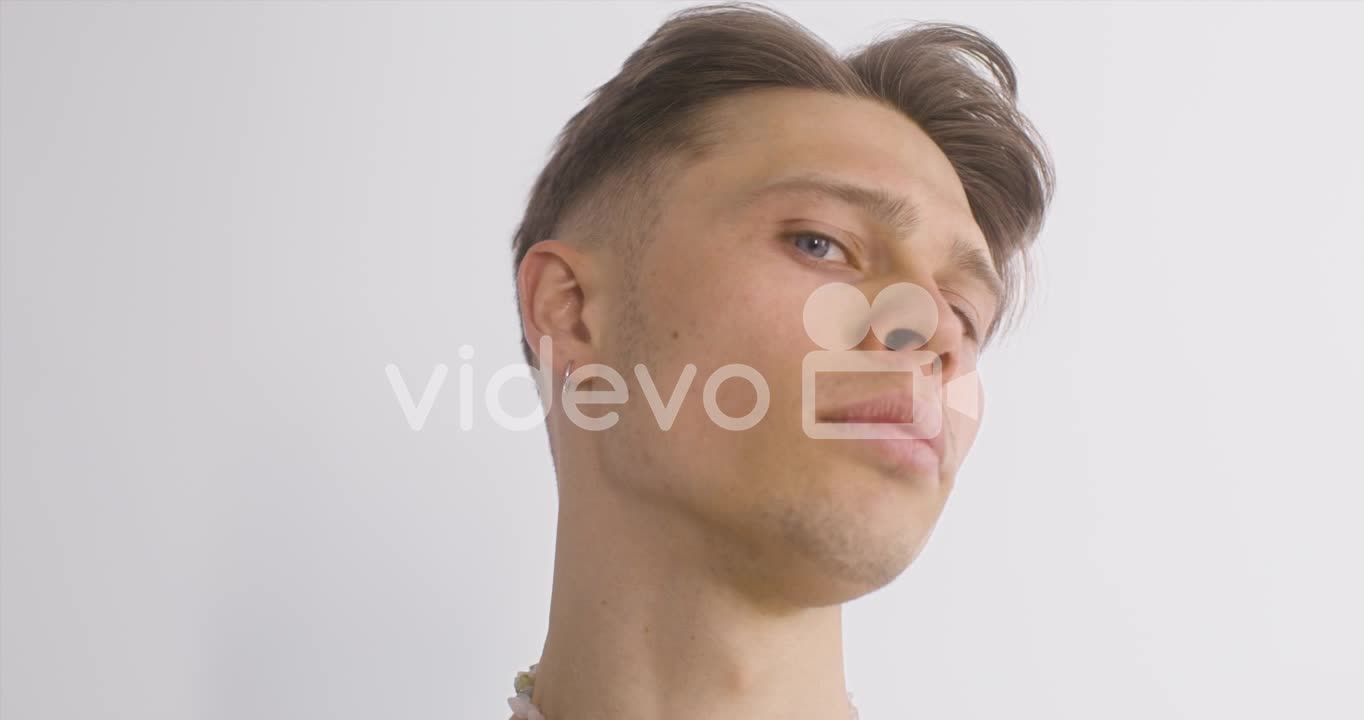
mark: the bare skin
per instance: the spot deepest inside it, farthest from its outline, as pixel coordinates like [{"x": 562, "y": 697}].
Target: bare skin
[{"x": 700, "y": 572}]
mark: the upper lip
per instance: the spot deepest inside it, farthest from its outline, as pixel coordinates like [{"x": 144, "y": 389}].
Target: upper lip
[{"x": 896, "y": 407}]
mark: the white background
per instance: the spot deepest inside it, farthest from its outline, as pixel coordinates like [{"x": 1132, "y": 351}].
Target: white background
[{"x": 220, "y": 223}]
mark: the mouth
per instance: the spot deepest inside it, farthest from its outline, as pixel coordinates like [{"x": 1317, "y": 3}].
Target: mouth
[{"x": 887, "y": 425}]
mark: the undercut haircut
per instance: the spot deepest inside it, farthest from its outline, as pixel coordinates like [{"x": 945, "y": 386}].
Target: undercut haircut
[{"x": 613, "y": 156}]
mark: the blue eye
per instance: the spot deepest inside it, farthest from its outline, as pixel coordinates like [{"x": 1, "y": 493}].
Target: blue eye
[{"x": 818, "y": 246}]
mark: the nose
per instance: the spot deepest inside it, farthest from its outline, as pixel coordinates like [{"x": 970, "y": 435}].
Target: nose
[
  {"x": 941, "y": 343},
  {"x": 915, "y": 316},
  {"x": 902, "y": 337}
]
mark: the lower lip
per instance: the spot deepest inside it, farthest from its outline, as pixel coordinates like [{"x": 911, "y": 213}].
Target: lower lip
[{"x": 916, "y": 455}]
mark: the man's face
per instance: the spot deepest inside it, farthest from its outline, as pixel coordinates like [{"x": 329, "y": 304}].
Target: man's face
[{"x": 743, "y": 239}]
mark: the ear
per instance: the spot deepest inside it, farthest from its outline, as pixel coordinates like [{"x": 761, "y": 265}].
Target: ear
[{"x": 553, "y": 286}]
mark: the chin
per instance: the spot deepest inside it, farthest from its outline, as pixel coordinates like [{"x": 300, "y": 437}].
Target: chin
[
  {"x": 854, "y": 537},
  {"x": 836, "y": 578}
]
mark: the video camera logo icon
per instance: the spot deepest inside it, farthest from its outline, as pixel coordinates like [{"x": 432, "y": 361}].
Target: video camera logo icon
[{"x": 903, "y": 316}]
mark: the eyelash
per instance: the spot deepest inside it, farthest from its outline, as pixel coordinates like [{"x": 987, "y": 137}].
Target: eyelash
[
  {"x": 793, "y": 237},
  {"x": 970, "y": 326},
  {"x": 966, "y": 321}
]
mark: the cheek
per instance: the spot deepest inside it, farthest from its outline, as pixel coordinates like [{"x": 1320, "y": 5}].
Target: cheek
[
  {"x": 734, "y": 306},
  {"x": 742, "y": 399},
  {"x": 739, "y": 301},
  {"x": 964, "y": 417}
]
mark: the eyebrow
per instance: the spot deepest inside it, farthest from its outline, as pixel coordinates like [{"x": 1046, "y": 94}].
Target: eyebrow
[
  {"x": 887, "y": 209},
  {"x": 895, "y": 213}
]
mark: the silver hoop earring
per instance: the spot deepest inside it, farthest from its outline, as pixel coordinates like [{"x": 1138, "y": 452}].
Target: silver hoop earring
[{"x": 567, "y": 369}]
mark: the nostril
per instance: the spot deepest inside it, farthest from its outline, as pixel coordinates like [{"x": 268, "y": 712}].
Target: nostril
[{"x": 902, "y": 338}]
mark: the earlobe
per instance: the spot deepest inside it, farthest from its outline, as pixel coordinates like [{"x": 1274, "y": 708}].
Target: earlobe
[{"x": 551, "y": 293}]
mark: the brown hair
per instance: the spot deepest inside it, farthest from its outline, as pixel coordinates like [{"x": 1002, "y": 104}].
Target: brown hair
[{"x": 952, "y": 81}]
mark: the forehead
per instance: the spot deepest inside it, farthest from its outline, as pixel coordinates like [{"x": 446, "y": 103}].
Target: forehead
[{"x": 772, "y": 133}]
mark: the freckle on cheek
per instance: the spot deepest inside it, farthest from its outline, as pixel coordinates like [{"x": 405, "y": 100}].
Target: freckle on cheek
[{"x": 674, "y": 334}]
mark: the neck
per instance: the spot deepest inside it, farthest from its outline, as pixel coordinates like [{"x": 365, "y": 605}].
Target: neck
[{"x": 644, "y": 624}]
